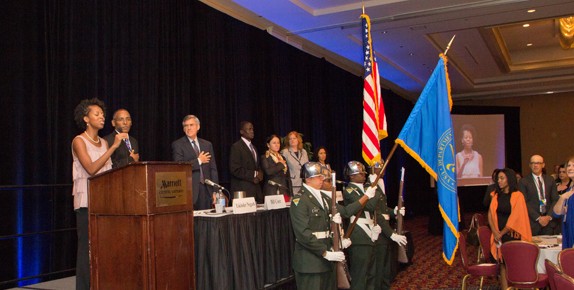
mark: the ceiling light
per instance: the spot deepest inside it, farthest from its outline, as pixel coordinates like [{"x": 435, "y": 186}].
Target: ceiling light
[
  {"x": 529, "y": 44},
  {"x": 411, "y": 54},
  {"x": 550, "y": 92},
  {"x": 525, "y": 25},
  {"x": 567, "y": 32},
  {"x": 531, "y": 10}
]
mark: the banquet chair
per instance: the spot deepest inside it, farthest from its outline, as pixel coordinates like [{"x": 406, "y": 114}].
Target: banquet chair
[
  {"x": 520, "y": 258},
  {"x": 484, "y": 234},
  {"x": 551, "y": 269},
  {"x": 566, "y": 261},
  {"x": 481, "y": 270},
  {"x": 563, "y": 281},
  {"x": 477, "y": 221}
]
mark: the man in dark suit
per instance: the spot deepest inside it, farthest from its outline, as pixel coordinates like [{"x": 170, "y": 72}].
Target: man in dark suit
[
  {"x": 199, "y": 152},
  {"x": 540, "y": 194},
  {"x": 128, "y": 152},
  {"x": 244, "y": 164}
]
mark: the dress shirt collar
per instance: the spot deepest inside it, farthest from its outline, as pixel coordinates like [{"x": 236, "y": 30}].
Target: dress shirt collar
[{"x": 247, "y": 142}]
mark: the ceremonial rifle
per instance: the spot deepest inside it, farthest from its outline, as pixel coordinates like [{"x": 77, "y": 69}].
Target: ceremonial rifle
[
  {"x": 342, "y": 273},
  {"x": 403, "y": 258}
]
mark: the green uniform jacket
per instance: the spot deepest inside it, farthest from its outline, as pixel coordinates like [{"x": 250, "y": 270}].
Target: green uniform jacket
[
  {"x": 351, "y": 194},
  {"x": 307, "y": 217},
  {"x": 382, "y": 208}
]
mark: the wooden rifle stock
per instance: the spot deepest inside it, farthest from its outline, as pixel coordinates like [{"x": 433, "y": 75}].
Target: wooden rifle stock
[{"x": 341, "y": 271}]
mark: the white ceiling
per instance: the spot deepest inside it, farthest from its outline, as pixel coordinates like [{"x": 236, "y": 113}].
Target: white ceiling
[{"x": 489, "y": 57}]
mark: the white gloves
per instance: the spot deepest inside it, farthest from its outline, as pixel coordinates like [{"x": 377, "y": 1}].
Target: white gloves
[
  {"x": 346, "y": 243},
  {"x": 370, "y": 192},
  {"x": 337, "y": 218},
  {"x": 375, "y": 231},
  {"x": 372, "y": 177},
  {"x": 401, "y": 211},
  {"x": 334, "y": 256},
  {"x": 399, "y": 239}
]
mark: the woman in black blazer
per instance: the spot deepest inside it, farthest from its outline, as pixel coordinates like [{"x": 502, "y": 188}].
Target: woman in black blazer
[{"x": 274, "y": 166}]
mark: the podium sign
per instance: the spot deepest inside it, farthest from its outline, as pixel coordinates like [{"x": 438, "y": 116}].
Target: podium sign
[
  {"x": 170, "y": 188},
  {"x": 141, "y": 227}
]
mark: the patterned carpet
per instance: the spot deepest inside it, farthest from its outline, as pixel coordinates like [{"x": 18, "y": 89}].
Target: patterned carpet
[{"x": 429, "y": 271}]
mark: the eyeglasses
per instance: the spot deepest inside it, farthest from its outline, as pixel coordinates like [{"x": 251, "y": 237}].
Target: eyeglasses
[{"x": 536, "y": 163}]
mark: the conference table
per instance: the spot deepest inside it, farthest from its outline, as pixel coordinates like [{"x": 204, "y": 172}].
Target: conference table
[
  {"x": 550, "y": 247},
  {"x": 242, "y": 251}
]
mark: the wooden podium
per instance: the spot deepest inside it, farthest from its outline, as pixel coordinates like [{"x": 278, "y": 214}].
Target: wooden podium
[{"x": 141, "y": 227}]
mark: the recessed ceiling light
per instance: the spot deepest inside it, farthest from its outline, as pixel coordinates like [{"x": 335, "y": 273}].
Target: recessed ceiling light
[
  {"x": 531, "y": 10},
  {"x": 529, "y": 44},
  {"x": 550, "y": 92},
  {"x": 525, "y": 25},
  {"x": 411, "y": 54}
]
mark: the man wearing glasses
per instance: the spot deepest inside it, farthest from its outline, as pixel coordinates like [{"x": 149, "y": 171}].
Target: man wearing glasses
[{"x": 540, "y": 194}]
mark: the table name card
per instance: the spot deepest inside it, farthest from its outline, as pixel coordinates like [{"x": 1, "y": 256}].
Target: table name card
[
  {"x": 274, "y": 202},
  {"x": 244, "y": 205}
]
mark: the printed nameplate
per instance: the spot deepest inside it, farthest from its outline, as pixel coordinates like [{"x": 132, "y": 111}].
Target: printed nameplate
[
  {"x": 244, "y": 205},
  {"x": 274, "y": 202}
]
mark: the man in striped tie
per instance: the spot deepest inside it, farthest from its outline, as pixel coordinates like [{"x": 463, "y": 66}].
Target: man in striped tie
[
  {"x": 199, "y": 152},
  {"x": 540, "y": 194},
  {"x": 128, "y": 152}
]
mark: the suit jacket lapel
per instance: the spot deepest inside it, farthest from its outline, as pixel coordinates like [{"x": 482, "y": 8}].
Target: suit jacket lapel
[
  {"x": 189, "y": 147},
  {"x": 248, "y": 151}
]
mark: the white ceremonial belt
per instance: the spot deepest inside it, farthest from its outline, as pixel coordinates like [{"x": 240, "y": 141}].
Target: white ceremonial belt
[
  {"x": 364, "y": 221},
  {"x": 321, "y": 235}
]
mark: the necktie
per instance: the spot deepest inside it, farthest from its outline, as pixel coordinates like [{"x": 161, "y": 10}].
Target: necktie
[
  {"x": 253, "y": 152},
  {"x": 128, "y": 144},
  {"x": 201, "y": 179},
  {"x": 541, "y": 196}
]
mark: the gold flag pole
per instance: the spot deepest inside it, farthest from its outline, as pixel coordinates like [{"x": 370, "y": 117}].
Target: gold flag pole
[{"x": 448, "y": 46}]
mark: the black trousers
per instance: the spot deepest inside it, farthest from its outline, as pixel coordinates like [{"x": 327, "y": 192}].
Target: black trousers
[{"x": 83, "y": 255}]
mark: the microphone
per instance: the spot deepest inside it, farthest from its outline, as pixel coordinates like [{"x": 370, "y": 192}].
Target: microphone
[
  {"x": 275, "y": 183},
  {"x": 211, "y": 183}
]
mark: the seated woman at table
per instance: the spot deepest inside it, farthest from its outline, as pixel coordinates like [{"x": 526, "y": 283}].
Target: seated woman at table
[
  {"x": 276, "y": 170},
  {"x": 507, "y": 215},
  {"x": 561, "y": 208}
]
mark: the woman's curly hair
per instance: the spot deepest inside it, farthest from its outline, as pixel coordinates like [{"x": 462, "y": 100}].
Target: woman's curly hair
[{"x": 83, "y": 108}]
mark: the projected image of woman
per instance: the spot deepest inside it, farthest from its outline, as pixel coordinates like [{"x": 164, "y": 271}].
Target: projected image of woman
[{"x": 468, "y": 161}]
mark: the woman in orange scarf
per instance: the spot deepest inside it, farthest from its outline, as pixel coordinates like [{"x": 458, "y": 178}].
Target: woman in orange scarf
[{"x": 507, "y": 215}]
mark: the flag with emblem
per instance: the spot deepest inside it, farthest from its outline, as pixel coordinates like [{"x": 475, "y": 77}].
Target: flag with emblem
[
  {"x": 374, "y": 119},
  {"x": 427, "y": 136}
]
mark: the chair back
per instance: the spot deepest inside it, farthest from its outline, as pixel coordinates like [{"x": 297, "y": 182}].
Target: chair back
[
  {"x": 462, "y": 250},
  {"x": 563, "y": 281},
  {"x": 520, "y": 258},
  {"x": 566, "y": 261},
  {"x": 551, "y": 269},
  {"x": 484, "y": 234},
  {"x": 479, "y": 219}
]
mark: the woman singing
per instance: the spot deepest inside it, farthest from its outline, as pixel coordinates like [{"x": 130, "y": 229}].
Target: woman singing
[{"x": 90, "y": 155}]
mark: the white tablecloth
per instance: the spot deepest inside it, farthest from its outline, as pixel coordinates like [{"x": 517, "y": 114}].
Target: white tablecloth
[{"x": 549, "y": 249}]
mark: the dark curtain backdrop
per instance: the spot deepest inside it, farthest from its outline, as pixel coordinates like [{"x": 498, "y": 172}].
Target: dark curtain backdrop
[{"x": 160, "y": 60}]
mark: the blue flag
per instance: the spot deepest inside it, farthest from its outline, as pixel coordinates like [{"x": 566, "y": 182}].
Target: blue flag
[{"x": 428, "y": 137}]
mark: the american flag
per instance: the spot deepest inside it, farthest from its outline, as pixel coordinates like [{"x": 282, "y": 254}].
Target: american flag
[{"x": 374, "y": 119}]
